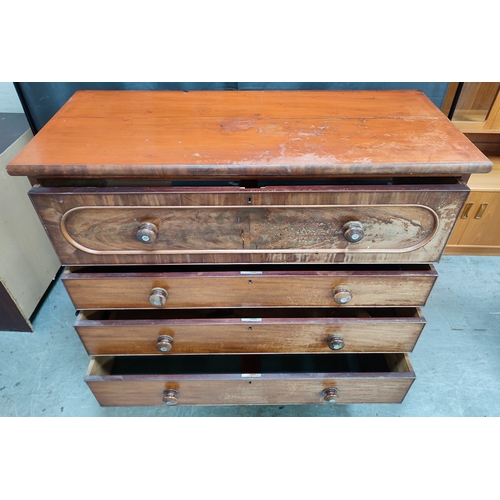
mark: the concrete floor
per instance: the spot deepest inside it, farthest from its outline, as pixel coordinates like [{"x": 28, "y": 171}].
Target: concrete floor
[{"x": 457, "y": 359}]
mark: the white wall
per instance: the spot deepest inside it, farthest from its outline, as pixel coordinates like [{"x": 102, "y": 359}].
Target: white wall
[{"x": 9, "y": 102}]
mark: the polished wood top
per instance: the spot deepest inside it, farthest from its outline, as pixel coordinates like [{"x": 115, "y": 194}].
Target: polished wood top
[{"x": 248, "y": 134}]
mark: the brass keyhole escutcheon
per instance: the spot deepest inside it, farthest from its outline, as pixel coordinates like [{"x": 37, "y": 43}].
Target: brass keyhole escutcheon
[
  {"x": 342, "y": 295},
  {"x": 331, "y": 395},
  {"x": 170, "y": 397},
  {"x": 147, "y": 233},
  {"x": 158, "y": 297},
  {"x": 165, "y": 343},
  {"x": 353, "y": 231}
]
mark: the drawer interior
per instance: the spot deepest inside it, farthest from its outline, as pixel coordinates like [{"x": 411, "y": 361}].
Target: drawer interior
[
  {"x": 242, "y": 314},
  {"x": 252, "y": 365},
  {"x": 249, "y": 269},
  {"x": 245, "y": 184}
]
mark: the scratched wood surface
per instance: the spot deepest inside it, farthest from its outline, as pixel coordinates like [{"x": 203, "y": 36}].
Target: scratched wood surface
[
  {"x": 123, "y": 335},
  {"x": 112, "y": 230},
  {"x": 403, "y": 223},
  {"x": 388, "y": 386},
  {"x": 248, "y": 134},
  {"x": 287, "y": 288}
]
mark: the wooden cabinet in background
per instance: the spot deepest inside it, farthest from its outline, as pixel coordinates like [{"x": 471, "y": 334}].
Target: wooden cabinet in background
[
  {"x": 474, "y": 108},
  {"x": 28, "y": 263},
  {"x": 477, "y": 229}
]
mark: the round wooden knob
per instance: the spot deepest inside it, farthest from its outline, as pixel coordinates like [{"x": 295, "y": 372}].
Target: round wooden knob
[
  {"x": 158, "y": 297},
  {"x": 335, "y": 342},
  {"x": 147, "y": 233},
  {"x": 165, "y": 343},
  {"x": 331, "y": 395},
  {"x": 353, "y": 231},
  {"x": 170, "y": 397},
  {"x": 342, "y": 295}
]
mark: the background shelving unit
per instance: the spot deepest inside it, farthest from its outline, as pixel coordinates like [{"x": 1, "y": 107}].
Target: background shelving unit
[{"x": 475, "y": 109}]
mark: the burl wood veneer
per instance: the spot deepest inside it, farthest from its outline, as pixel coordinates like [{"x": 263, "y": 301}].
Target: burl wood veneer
[{"x": 399, "y": 223}]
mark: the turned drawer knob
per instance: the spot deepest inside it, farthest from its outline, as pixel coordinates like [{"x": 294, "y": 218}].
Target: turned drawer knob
[
  {"x": 331, "y": 395},
  {"x": 335, "y": 342},
  {"x": 164, "y": 343},
  {"x": 158, "y": 297},
  {"x": 353, "y": 231},
  {"x": 147, "y": 233},
  {"x": 170, "y": 397},
  {"x": 342, "y": 295}
]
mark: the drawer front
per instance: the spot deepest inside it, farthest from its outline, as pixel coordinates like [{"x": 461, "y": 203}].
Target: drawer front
[
  {"x": 386, "y": 385},
  {"x": 232, "y": 225},
  {"x": 288, "y": 288},
  {"x": 393, "y": 330}
]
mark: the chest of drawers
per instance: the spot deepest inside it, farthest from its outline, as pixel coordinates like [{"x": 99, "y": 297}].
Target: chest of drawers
[{"x": 231, "y": 248}]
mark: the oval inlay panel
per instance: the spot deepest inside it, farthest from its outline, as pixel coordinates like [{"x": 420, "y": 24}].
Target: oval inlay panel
[{"x": 254, "y": 229}]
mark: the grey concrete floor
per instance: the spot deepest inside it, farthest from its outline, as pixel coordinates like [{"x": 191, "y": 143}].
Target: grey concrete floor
[{"x": 457, "y": 360}]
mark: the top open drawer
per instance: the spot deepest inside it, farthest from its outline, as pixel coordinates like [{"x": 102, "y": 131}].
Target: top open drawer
[{"x": 380, "y": 223}]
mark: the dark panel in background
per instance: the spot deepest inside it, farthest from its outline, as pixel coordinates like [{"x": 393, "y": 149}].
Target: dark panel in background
[
  {"x": 435, "y": 91},
  {"x": 42, "y": 100}
]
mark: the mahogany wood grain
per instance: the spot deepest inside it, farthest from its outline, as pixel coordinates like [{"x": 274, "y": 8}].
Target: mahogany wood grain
[
  {"x": 389, "y": 386},
  {"x": 263, "y": 332},
  {"x": 248, "y": 135},
  {"x": 186, "y": 230},
  {"x": 287, "y": 288},
  {"x": 402, "y": 223}
]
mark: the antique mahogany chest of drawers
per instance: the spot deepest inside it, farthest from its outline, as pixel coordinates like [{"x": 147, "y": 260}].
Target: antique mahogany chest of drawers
[{"x": 228, "y": 248}]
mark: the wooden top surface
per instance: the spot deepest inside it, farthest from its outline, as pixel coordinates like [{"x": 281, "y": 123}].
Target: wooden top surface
[{"x": 248, "y": 134}]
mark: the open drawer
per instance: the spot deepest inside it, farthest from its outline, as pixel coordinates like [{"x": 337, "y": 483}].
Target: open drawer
[
  {"x": 254, "y": 379},
  {"x": 240, "y": 331},
  {"x": 175, "y": 287}
]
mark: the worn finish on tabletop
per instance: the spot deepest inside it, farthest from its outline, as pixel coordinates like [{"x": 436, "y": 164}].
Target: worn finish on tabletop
[{"x": 248, "y": 134}]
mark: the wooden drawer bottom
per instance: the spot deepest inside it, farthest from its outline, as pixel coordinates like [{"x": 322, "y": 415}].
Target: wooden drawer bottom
[{"x": 250, "y": 379}]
